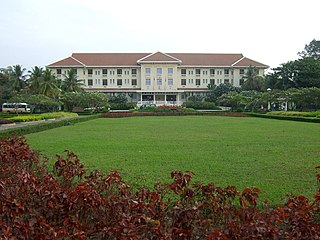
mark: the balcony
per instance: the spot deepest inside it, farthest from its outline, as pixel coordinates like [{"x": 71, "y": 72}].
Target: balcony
[{"x": 159, "y": 103}]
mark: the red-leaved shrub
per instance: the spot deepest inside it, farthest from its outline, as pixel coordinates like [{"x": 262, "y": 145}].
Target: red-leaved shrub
[{"x": 70, "y": 203}]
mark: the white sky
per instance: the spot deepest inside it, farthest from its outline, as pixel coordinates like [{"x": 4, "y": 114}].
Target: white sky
[{"x": 39, "y": 32}]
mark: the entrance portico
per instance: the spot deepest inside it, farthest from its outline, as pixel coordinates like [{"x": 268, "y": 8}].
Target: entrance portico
[{"x": 158, "y": 97}]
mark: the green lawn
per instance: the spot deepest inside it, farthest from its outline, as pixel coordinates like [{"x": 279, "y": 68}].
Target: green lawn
[{"x": 276, "y": 156}]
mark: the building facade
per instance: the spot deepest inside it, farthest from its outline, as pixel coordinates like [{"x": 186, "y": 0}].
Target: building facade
[{"x": 157, "y": 78}]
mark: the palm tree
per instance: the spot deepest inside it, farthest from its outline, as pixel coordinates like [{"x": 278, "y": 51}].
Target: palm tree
[
  {"x": 49, "y": 84},
  {"x": 251, "y": 80},
  {"x": 17, "y": 77},
  {"x": 34, "y": 81},
  {"x": 71, "y": 82}
]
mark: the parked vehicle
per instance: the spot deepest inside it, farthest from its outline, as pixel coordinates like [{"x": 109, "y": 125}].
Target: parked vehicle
[{"x": 16, "y": 108}]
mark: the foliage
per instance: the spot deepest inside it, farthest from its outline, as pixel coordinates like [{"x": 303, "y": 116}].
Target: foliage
[
  {"x": 49, "y": 85},
  {"x": 94, "y": 101},
  {"x": 293, "y": 113},
  {"x": 122, "y": 106},
  {"x": 252, "y": 81},
  {"x": 38, "y": 102},
  {"x": 34, "y": 82},
  {"x": 311, "y": 50},
  {"x": 58, "y": 115},
  {"x": 26, "y": 118},
  {"x": 121, "y": 98},
  {"x": 5, "y": 87},
  {"x": 217, "y": 91},
  {"x": 305, "y": 98},
  {"x": 71, "y": 82},
  {"x": 201, "y": 105},
  {"x": 73, "y": 203},
  {"x": 17, "y": 77},
  {"x": 195, "y": 98}
]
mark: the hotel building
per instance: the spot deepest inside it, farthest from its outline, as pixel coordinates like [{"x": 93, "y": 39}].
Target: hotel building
[{"x": 158, "y": 78}]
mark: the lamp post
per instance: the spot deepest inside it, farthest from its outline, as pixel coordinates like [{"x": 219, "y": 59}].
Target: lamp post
[{"x": 269, "y": 105}]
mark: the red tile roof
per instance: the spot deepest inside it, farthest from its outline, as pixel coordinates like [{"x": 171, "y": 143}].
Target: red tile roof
[
  {"x": 249, "y": 62},
  {"x": 158, "y": 57},
  {"x": 133, "y": 59}
]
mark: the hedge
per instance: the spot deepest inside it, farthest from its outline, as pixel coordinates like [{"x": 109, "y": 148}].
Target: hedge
[
  {"x": 281, "y": 117},
  {"x": 45, "y": 126},
  {"x": 141, "y": 114}
]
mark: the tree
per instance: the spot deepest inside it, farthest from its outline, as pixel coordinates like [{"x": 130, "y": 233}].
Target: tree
[
  {"x": 34, "y": 82},
  {"x": 17, "y": 77},
  {"x": 217, "y": 91},
  {"x": 5, "y": 88},
  {"x": 49, "y": 84},
  {"x": 121, "y": 98},
  {"x": 311, "y": 50},
  {"x": 252, "y": 81},
  {"x": 71, "y": 82}
]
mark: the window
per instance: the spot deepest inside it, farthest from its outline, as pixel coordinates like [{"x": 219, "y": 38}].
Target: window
[
  {"x": 197, "y": 71},
  {"x": 90, "y": 71},
  {"x": 183, "y": 71},
  {"x": 59, "y": 71},
  {"x": 90, "y": 82},
  {"x": 148, "y": 70},
  {"x": 190, "y": 81},
  {"x": 97, "y": 72},
  {"x": 211, "y": 71},
  {"x": 170, "y": 70},
  {"x": 104, "y": 82},
  {"x": 226, "y": 81},
  {"x": 183, "y": 82},
  {"x": 241, "y": 81},
  {"x": 134, "y": 82},
  {"x": 104, "y": 71},
  {"x": 204, "y": 72},
  {"x": 119, "y": 82},
  {"x": 159, "y": 81},
  {"x": 198, "y": 82},
  {"x": 159, "y": 70},
  {"x": 226, "y": 71},
  {"x": 119, "y": 71},
  {"x": 190, "y": 72},
  {"x": 97, "y": 81},
  {"x": 212, "y": 81},
  {"x": 148, "y": 81},
  {"x": 170, "y": 81},
  {"x": 242, "y": 71},
  {"x": 133, "y": 71},
  {"x": 111, "y": 72}
]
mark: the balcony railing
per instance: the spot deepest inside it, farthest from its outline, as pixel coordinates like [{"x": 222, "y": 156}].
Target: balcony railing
[{"x": 159, "y": 103}]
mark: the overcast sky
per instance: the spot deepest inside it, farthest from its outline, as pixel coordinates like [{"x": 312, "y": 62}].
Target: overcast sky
[{"x": 40, "y": 32}]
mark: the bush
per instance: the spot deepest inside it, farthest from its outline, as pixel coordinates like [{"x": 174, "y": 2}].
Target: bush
[
  {"x": 71, "y": 203},
  {"x": 201, "y": 105},
  {"x": 58, "y": 115},
  {"x": 122, "y": 106},
  {"x": 25, "y": 118},
  {"x": 293, "y": 113}
]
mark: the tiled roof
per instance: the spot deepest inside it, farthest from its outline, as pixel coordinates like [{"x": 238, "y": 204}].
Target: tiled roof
[
  {"x": 69, "y": 61},
  {"x": 134, "y": 59},
  {"x": 158, "y": 57},
  {"x": 249, "y": 62}
]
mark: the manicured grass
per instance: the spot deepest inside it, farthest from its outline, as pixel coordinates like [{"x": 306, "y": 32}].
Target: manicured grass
[{"x": 279, "y": 157}]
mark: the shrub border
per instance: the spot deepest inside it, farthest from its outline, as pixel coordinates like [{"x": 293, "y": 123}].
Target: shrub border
[
  {"x": 45, "y": 126},
  {"x": 281, "y": 117},
  {"x": 143, "y": 114}
]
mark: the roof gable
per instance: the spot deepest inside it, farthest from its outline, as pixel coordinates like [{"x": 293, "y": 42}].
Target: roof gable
[
  {"x": 246, "y": 62},
  {"x": 69, "y": 61},
  {"x": 159, "y": 57}
]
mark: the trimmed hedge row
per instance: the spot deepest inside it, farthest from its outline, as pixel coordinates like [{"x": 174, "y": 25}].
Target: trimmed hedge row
[
  {"x": 141, "y": 114},
  {"x": 45, "y": 126},
  {"x": 38, "y": 117},
  {"x": 295, "y": 114},
  {"x": 281, "y": 117}
]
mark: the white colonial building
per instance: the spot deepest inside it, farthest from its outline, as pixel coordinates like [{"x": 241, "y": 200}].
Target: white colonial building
[{"x": 158, "y": 78}]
